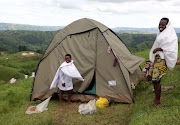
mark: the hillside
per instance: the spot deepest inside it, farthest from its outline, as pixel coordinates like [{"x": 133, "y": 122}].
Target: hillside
[
  {"x": 168, "y": 113},
  {"x": 140, "y": 30},
  {"x": 6, "y": 73},
  {"x": 137, "y": 42},
  {"x": 10, "y": 26},
  {"x": 14, "y": 100},
  {"x": 39, "y": 40},
  {"x": 33, "y": 40},
  {"x": 12, "y": 66},
  {"x": 131, "y": 30}
]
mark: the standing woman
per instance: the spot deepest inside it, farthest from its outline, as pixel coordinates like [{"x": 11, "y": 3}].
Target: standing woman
[{"x": 163, "y": 54}]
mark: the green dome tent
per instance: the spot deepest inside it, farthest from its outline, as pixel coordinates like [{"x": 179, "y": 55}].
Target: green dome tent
[{"x": 88, "y": 42}]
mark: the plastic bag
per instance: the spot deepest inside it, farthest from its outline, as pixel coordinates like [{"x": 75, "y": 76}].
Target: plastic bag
[
  {"x": 88, "y": 108},
  {"x": 39, "y": 108},
  {"x": 102, "y": 102}
]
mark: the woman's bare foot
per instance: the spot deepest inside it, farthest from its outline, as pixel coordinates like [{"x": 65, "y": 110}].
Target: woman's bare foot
[
  {"x": 156, "y": 103},
  {"x": 60, "y": 106},
  {"x": 155, "y": 100},
  {"x": 69, "y": 102}
]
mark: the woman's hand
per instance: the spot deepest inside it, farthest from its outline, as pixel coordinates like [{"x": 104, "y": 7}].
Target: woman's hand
[
  {"x": 63, "y": 84},
  {"x": 157, "y": 49}
]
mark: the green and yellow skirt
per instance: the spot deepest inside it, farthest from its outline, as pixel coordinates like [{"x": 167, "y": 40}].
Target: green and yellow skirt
[{"x": 160, "y": 69}]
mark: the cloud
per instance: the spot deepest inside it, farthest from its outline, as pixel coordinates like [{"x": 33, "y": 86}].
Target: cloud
[
  {"x": 112, "y": 13},
  {"x": 122, "y": 1},
  {"x": 139, "y": 7}
]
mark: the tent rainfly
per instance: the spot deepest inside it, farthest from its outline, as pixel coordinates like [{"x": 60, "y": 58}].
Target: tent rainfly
[{"x": 94, "y": 48}]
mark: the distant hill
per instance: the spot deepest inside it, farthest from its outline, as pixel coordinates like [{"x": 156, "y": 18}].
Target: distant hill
[
  {"x": 10, "y": 26},
  {"x": 14, "y": 41},
  {"x": 33, "y": 40},
  {"x": 39, "y": 40},
  {"x": 130, "y": 30},
  {"x": 139, "y": 30}
]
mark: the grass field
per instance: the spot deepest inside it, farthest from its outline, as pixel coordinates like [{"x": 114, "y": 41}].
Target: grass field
[
  {"x": 12, "y": 66},
  {"x": 14, "y": 101},
  {"x": 6, "y": 73},
  {"x": 168, "y": 113}
]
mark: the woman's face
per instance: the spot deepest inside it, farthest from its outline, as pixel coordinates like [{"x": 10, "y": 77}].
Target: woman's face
[
  {"x": 162, "y": 25},
  {"x": 67, "y": 59}
]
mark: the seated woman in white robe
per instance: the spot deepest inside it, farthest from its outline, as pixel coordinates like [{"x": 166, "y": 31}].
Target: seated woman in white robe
[{"x": 64, "y": 75}]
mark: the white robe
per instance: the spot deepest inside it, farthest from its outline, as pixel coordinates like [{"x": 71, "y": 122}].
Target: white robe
[
  {"x": 168, "y": 41},
  {"x": 65, "y": 73}
]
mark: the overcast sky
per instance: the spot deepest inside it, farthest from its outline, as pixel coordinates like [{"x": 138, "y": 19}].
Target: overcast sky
[{"x": 113, "y": 13}]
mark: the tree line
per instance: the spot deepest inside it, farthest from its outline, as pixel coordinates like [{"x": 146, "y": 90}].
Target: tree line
[{"x": 14, "y": 41}]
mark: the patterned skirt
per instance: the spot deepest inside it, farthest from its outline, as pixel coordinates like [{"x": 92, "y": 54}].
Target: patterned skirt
[{"x": 159, "y": 70}]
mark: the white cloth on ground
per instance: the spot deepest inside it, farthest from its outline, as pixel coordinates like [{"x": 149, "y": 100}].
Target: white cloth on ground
[
  {"x": 168, "y": 41},
  {"x": 39, "y": 108},
  {"x": 65, "y": 73}
]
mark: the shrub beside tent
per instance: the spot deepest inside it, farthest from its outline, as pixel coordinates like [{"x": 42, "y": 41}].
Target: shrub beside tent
[{"x": 94, "y": 48}]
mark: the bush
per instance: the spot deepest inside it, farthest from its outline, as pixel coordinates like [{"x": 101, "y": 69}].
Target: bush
[
  {"x": 24, "y": 72},
  {"x": 16, "y": 76},
  {"x": 2, "y": 82},
  {"x": 39, "y": 51}
]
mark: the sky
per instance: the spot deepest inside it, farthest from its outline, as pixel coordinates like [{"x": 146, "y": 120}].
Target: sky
[{"x": 113, "y": 13}]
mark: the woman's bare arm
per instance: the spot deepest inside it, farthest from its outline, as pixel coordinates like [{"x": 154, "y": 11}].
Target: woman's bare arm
[{"x": 157, "y": 49}]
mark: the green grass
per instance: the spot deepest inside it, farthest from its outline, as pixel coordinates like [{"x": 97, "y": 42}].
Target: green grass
[
  {"x": 6, "y": 73},
  {"x": 144, "y": 54},
  {"x": 14, "y": 101},
  {"x": 17, "y": 66},
  {"x": 168, "y": 113},
  {"x": 24, "y": 64},
  {"x": 15, "y": 98}
]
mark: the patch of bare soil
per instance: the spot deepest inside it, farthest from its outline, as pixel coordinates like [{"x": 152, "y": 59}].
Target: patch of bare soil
[{"x": 29, "y": 55}]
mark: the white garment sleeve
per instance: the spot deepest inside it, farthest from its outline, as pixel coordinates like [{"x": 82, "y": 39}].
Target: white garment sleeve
[
  {"x": 55, "y": 80},
  {"x": 61, "y": 77}
]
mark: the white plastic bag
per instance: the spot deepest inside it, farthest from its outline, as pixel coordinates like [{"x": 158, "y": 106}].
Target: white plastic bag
[
  {"x": 88, "y": 108},
  {"x": 39, "y": 108}
]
